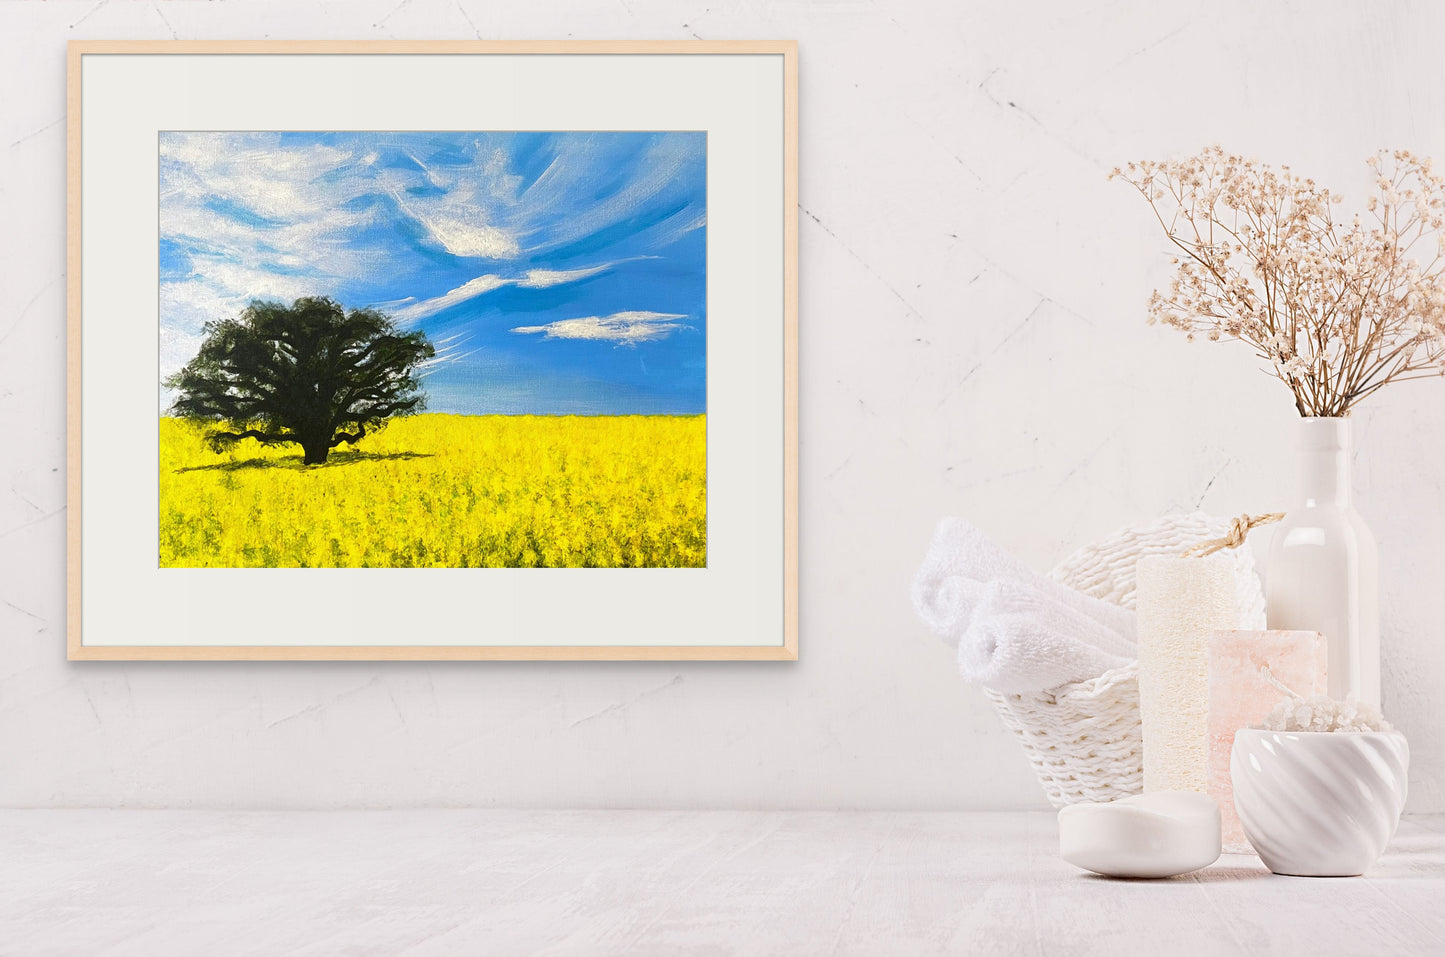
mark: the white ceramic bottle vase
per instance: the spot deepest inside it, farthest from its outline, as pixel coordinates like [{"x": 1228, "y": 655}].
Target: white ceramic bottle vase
[{"x": 1323, "y": 572}]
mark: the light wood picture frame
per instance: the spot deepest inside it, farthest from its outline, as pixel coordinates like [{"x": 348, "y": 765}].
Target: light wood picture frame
[{"x": 677, "y": 245}]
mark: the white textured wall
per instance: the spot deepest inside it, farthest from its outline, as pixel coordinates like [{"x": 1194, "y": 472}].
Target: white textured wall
[{"x": 973, "y": 342}]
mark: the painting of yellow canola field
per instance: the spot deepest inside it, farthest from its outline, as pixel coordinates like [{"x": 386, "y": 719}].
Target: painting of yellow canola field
[
  {"x": 433, "y": 349},
  {"x": 444, "y": 491}
]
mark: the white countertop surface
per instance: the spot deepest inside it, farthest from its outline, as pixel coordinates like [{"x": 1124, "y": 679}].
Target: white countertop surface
[{"x": 637, "y": 882}]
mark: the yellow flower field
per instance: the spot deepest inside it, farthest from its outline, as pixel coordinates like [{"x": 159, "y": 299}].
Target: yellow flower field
[{"x": 444, "y": 491}]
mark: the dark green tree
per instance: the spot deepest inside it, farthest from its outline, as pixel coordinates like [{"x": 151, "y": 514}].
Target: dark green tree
[{"x": 309, "y": 373}]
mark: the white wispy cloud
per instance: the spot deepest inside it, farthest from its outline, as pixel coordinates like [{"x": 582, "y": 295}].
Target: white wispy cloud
[
  {"x": 624, "y": 328},
  {"x": 542, "y": 278},
  {"x": 462, "y": 230},
  {"x": 467, "y": 290},
  {"x": 448, "y": 352},
  {"x": 531, "y": 279},
  {"x": 466, "y": 216},
  {"x": 674, "y": 228},
  {"x": 660, "y": 169},
  {"x": 481, "y": 210}
]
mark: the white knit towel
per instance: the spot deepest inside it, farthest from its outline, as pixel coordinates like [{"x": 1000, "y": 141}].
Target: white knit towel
[
  {"x": 1019, "y": 639},
  {"x": 961, "y": 560}
]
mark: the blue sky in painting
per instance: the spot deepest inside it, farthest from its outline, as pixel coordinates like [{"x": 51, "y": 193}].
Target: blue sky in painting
[{"x": 557, "y": 273}]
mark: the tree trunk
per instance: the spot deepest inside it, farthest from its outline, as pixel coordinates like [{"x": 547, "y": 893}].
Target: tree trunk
[{"x": 314, "y": 451}]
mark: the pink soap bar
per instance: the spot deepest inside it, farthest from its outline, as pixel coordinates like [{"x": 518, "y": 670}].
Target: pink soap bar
[{"x": 1241, "y": 694}]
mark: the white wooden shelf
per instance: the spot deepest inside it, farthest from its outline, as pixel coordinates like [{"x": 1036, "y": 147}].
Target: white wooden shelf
[{"x": 635, "y": 882}]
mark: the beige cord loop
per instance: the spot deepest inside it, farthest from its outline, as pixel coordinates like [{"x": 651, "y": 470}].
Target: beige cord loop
[{"x": 1238, "y": 529}]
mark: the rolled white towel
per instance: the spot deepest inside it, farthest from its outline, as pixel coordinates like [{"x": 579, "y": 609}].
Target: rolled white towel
[
  {"x": 1019, "y": 639},
  {"x": 961, "y": 560}
]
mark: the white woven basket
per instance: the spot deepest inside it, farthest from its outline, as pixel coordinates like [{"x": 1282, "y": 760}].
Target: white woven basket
[{"x": 1083, "y": 739}]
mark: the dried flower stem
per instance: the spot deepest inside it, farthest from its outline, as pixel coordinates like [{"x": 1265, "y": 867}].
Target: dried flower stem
[{"x": 1338, "y": 310}]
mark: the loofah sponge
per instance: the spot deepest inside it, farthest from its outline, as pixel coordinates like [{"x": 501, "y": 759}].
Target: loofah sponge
[{"x": 1181, "y": 602}]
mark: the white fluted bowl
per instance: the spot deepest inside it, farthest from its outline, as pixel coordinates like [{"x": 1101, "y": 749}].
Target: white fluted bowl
[{"x": 1319, "y": 804}]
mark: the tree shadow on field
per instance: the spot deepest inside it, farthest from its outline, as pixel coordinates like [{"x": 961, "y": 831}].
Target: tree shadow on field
[{"x": 295, "y": 463}]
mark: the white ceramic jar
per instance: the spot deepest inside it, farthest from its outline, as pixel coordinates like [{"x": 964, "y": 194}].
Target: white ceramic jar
[{"x": 1319, "y": 803}]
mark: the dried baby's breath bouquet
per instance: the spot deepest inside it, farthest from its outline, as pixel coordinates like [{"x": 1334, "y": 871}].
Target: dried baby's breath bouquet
[{"x": 1338, "y": 308}]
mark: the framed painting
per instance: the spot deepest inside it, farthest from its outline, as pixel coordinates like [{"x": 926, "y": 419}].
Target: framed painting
[{"x": 433, "y": 350}]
